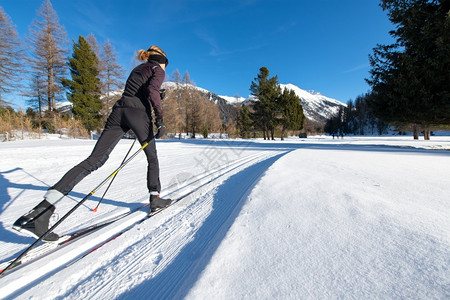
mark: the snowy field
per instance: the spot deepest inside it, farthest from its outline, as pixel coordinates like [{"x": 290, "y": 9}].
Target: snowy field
[{"x": 315, "y": 218}]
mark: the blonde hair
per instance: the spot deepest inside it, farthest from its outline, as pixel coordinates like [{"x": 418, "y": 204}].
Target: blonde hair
[{"x": 143, "y": 55}]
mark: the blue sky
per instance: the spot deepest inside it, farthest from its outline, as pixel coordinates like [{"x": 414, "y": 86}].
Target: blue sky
[{"x": 320, "y": 45}]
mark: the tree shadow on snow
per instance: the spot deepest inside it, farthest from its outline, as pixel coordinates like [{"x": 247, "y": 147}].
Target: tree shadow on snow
[
  {"x": 347, "y": 145},
  {"x": 176, "y": 280}
]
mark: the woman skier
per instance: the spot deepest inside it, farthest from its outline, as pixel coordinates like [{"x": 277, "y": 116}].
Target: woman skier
[{"x": 133, "y": 111}]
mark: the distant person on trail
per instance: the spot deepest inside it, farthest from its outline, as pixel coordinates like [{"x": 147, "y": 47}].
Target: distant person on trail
[{"x": 133, "y": 111}]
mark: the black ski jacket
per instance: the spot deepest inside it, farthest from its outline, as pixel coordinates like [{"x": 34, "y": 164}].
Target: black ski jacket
[{"x": 142, "y": 89}]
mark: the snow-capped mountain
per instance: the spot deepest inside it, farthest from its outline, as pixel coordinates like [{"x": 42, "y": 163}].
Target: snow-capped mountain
[
  {"x": 175, "y": 85},
  {"x": 233, "y": 100},
  {"x": 316, "y": 106},
  {"x": 226, "y": 107}
]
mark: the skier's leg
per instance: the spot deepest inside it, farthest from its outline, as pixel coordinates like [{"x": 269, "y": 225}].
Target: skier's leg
[
  {"x": 140, "y": 123},
  {"x": 109, "y": 138},
  {"x": 142, "y": 127},
  {"x": 36, "y": 221},
  {"x": 153, "y": 182}
]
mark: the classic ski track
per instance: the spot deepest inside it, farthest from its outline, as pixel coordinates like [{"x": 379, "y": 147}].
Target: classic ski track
[
  {"x": 173, "y": 190},
  {"x": 155, "y": 243},
  {"x": 236, "y": 166},
  {"x": 42, "y": 249},
  {"x": 209, "y": 174},
  {"x": 178, "y": 190},
  {"x": 160, "y": 239}
]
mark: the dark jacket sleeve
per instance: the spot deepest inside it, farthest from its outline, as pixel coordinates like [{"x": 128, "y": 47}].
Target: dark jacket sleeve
[{"x": 153, "y": 87}]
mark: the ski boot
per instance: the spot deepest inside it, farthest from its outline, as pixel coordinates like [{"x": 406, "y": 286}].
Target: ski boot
[
  {"x": 158, "y": 203},
  {"x": 36, "y": 221}
]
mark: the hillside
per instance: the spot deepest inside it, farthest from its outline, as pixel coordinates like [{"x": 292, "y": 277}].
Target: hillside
[{"x": 316, "y": 106}]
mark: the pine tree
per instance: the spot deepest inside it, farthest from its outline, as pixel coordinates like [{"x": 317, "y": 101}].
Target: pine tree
[
  {"x": 335, "y": 124},
  {"x": 92, "y": 40},
  {"x": 266, "y": 109},
  {"x": 292, "y": 116},
  {"x": 410, "y": 78},
  {"x": 355, "y": 119},
  {"x": 48, "y": 42},
  {"x": 11, "y": 65},
  {"x": 83, "y": 89},
  {"x": 245, "y": 122},
  {"x": 361, "y": 114}
]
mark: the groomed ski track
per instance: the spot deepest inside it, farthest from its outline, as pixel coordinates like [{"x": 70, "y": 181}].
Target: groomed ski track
[{"x": 167, "y": 251}]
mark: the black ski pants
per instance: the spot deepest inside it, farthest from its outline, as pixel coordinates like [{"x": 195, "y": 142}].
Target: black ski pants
[{"x": 119, "y": 122}]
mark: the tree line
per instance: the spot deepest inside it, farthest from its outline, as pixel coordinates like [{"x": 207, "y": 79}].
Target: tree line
[
  {"x": 39, "y": 68},
  {"x": 356, "y": 118},
  {"x": 91, "y": 78},
  {"x": 410, "y": 79},
  {"x": 188, "y": 110},
  {"x": 271, "y": 112},
  {"x": 273, "y": 109}
]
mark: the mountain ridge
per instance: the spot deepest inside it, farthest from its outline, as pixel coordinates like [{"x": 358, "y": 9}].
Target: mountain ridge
[{"x": 316, "y": 106}]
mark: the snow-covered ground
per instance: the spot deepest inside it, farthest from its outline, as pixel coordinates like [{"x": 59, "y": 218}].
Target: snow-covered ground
[{"x": 315, "y": 218}]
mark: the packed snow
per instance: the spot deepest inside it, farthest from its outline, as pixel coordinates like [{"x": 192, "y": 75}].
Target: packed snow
[{"x": 315, "y": 218}]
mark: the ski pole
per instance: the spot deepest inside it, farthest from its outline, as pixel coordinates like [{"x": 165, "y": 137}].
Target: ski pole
[
  {"x": 72, "y": 210},
  {"x": 112, "y": 180}
]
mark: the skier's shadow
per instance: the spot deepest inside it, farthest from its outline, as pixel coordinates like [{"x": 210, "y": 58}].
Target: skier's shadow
[{"x": 7, "y": 234}]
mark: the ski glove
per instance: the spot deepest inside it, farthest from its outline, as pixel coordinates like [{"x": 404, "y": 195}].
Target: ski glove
[
  {"x": 162, "y": 93},
  {"x": 161, "y": 128}
]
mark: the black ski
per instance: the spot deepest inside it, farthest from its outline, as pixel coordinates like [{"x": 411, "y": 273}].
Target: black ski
[{"x": 47, "y": 248}]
